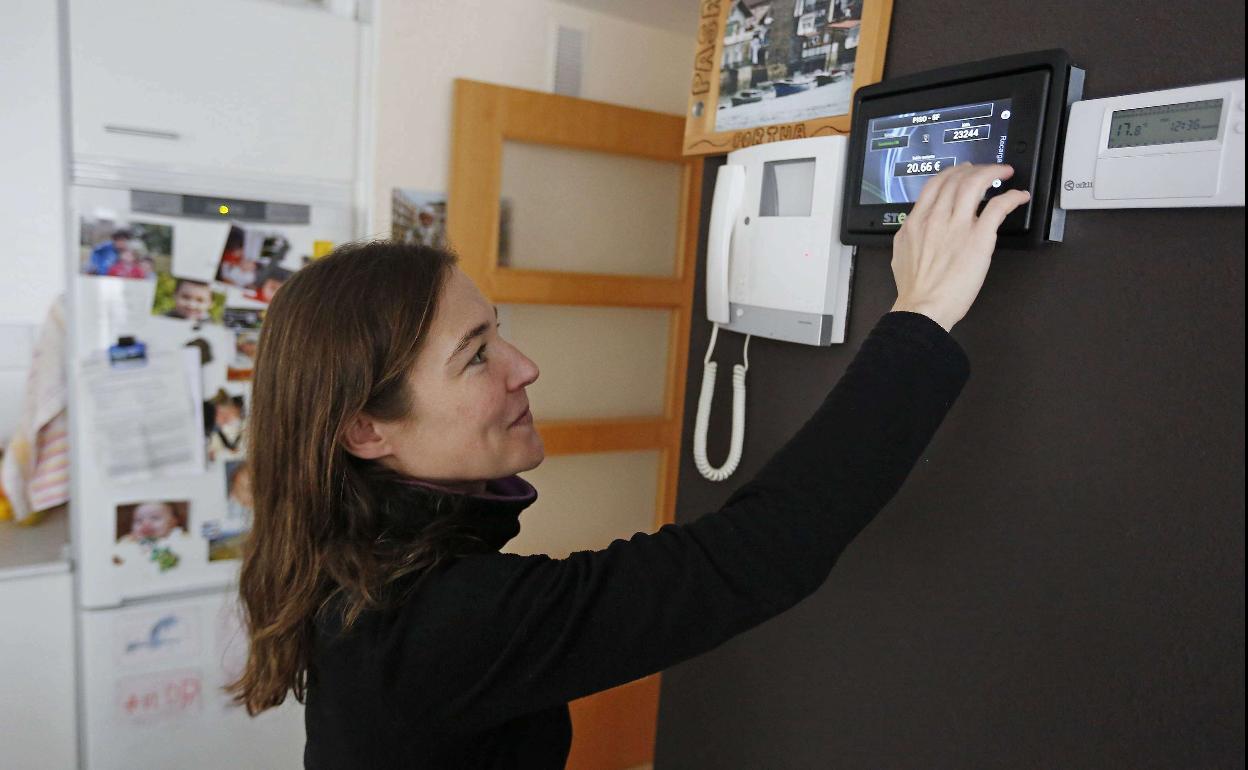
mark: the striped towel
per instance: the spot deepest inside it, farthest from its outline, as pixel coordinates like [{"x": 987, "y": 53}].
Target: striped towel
[{"x": 35, "y": 469}]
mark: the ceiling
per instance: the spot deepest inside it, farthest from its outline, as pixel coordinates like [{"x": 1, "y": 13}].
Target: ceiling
[{"x": 679, "y": 16}]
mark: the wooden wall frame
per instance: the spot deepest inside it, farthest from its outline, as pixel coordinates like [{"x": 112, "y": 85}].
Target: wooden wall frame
[{"x": 701, "y": 138}]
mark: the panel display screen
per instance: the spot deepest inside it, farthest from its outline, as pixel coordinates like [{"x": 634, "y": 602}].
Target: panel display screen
[
  {"x": 1165, "y": 124},
  {"x": 788, "y": 188},
  {"x": 904, "y": 151}
]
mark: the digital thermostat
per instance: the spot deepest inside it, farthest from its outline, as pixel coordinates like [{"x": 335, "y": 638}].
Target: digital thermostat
[
  {"x": 908, "y": 129},
  {"x": 1162, "y": 149}
]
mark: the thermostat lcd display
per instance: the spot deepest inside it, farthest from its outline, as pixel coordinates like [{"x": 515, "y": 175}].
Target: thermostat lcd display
[{"x": 1166, "y": 124}]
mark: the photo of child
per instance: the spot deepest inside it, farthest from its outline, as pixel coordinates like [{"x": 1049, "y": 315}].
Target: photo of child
[
  {"x": 225, "y": 536},
  {"x": 148, "y": 532},
  {"x": 240, "y": 266},
  {"x": 187, "y": 299},
  {"x": 152, "y": 520},
  {"x": 245, "y": 344},
  {"x": 225, "y": 427},
  {"x": 268, "y": 285},
  {"x": 139, "y": 250},
  {"x": 251, "y": 258}
]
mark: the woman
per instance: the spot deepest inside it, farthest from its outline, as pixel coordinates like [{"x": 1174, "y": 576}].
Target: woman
[{"x": 385, "y": 441}]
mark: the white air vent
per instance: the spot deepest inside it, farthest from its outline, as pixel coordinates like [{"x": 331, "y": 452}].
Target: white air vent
[{"x": 569, "y": 60}]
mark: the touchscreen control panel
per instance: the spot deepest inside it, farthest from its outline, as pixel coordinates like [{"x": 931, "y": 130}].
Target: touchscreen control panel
[{"x": 907, "y": 130}]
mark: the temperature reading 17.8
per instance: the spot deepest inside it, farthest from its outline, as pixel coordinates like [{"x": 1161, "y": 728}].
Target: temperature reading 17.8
[
  {"x": 1165, "y": 124},
  {"x": 922, "y": 166}
]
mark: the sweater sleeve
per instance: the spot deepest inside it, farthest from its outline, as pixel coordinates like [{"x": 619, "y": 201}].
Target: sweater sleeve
[{"x": 497, "y": 636}]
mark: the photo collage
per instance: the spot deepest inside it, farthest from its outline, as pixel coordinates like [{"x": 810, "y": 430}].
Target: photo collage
[{"x": 222, "y": 293}]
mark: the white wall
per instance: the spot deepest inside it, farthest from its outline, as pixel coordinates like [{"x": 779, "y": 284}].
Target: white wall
[
  {"x": 423, "y": 45},
  {"x": 32, "y": 247},
  {"x": 32, "y": 257}
]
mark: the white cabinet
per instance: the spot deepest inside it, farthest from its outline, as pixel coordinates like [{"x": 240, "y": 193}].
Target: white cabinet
[
  {"x": 240, "y": 87},
  {"x": 37, "y": 714}
]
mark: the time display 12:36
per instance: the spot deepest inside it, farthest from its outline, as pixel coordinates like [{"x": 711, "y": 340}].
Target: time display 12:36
[{"x": 1165, "y": 124}]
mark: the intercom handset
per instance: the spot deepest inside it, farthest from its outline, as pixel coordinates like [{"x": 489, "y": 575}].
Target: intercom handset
[{"x": 775, "y": 265}]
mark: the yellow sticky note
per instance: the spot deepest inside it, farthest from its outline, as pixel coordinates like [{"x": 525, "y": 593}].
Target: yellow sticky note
[{"x": 321, "y": 248}]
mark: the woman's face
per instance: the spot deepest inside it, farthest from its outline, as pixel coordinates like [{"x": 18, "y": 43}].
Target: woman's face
[{"x": 470, "y": 419}]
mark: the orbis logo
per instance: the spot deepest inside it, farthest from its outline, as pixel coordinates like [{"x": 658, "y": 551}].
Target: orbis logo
[
  {"x": 894, "y": 219},
  {"x": 1073, "y": 185}
]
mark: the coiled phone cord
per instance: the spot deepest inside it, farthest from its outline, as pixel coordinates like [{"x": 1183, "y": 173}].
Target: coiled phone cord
[{"x": 701, "y": 423}]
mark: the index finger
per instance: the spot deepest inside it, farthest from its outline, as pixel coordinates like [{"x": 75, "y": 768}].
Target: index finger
[
  {"x": 931, "y": 191},
  {"x": 974, "y": 185}
]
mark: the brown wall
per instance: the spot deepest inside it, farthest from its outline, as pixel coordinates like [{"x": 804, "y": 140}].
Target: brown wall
[{"x": 1060, "y": 583}]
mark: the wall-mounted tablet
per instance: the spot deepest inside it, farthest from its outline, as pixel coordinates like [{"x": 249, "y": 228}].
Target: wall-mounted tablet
[{"x": 908, "y": 129}]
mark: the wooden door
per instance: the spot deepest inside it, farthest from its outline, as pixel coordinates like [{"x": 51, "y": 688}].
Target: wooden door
[{"x": 596, "y": 281}]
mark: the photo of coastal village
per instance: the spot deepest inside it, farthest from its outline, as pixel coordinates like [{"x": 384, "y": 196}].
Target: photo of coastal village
[{"x": 786, "y": 61}]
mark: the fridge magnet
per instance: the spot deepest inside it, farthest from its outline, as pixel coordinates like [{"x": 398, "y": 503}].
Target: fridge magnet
[
  {"x": 187, "y": 299},
  {"x": 152, "y": 532},
  {"x": 769, "y": 71},
  {"x": 225, "y": 536},
  {"x": 419, "y": 217},
  {"x": 225, "y": 425},
  {"x": 159, "y": 696},
  {"x": 240, "y": 366},
  {"x": 127, "y": 353},
  {"x": 138, "y": 250},
  {"x": 166, "y": 635}
]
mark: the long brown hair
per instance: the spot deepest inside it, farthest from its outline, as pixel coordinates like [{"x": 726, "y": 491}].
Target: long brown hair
[{"x": 331, "y": 530}]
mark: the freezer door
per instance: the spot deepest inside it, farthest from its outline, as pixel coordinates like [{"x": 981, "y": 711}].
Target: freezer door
[{"x": 151, "y": 689}]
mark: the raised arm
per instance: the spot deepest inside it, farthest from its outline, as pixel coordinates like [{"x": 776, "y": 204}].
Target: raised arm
[{"x": 497, "y": 636}]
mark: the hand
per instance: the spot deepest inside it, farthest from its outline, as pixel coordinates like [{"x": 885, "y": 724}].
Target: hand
[{"x": 942, "y": 252}]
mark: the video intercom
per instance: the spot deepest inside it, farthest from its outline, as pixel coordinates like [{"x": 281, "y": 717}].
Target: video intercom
[{"x": 775, "y": 264}]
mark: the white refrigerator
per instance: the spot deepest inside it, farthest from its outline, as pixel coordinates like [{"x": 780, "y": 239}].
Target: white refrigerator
[{"x": 167, "y": 292}]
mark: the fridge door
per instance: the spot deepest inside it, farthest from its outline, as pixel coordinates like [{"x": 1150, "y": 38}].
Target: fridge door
[{"x": 151, "y": 684}]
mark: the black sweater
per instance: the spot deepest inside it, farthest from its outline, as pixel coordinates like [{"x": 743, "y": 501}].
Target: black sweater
[{"x": 477, "y": 667}]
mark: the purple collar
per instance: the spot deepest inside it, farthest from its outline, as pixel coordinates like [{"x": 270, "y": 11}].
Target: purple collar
[{"x": 511, "y": 489}]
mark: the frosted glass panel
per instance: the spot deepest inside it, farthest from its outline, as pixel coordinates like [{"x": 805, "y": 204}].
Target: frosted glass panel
[
  {"x": 589, "y": 212},
  {"x": 586, "y": 501},
  {"x": 594, "y": 361}
]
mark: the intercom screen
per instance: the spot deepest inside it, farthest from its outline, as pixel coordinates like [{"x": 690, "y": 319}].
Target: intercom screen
[
  {"x": 904, "y": 151},
  {"x": 788, "y": 188}
]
